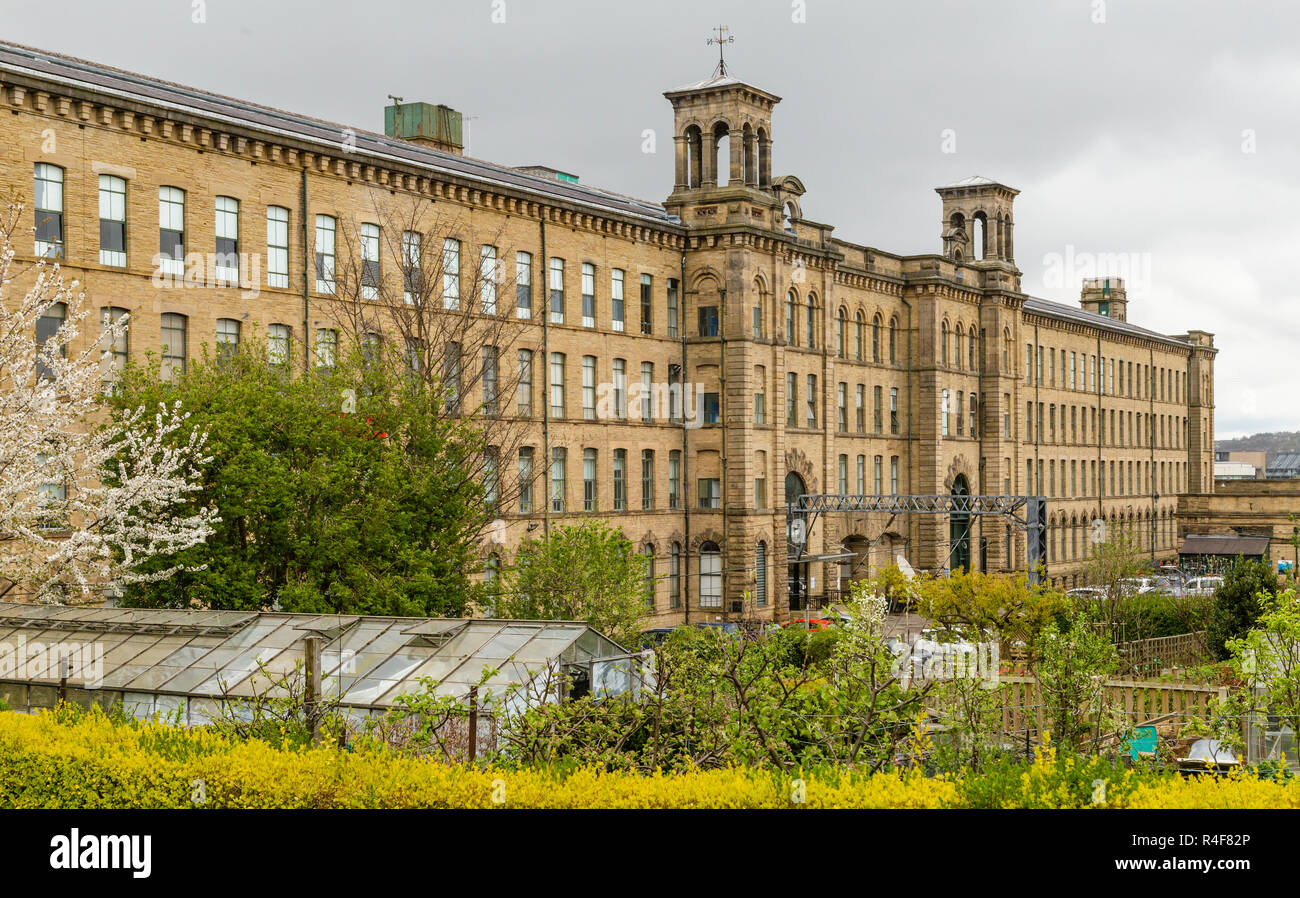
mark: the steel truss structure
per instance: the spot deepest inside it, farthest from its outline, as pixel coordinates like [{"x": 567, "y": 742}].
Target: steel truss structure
[{"x": 1029, "y": 513}]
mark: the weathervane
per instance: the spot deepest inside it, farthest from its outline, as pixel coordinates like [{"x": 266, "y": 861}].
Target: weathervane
[{"x": 724, "y": 37}]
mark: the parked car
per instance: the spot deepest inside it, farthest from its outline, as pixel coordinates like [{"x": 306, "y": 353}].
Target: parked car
[
  {"x": 1208, "y": 756},
  {"x": 1165, "y": 586},
  {"x": 1095, "y": 593},
  {"x": 811, "y": 624},
  {"x": 1204, "y": 586}
]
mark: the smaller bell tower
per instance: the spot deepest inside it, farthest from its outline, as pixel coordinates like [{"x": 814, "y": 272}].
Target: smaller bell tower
[
  {"x": 977, "y": 221},
  {"x": 722, "y": 139}
]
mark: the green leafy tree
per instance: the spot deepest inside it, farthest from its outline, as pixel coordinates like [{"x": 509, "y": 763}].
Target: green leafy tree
[
  {"x": 343, "y": 490},
  {"x": 975, "y": 602},
  {"x": 1073, "y": 661},
  {"x": 588, "y": 572},
  {"x": 1238, "y": 603},
  {"x": 1267, "y": 659}
]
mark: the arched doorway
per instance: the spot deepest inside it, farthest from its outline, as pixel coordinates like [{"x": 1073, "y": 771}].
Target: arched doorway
[
  {"x": 796, "y": 573},
  {"x": 959, "y": 524}
]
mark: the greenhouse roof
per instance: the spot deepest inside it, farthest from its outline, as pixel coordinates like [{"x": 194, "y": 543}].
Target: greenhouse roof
[{"x": 366, "y": 661}]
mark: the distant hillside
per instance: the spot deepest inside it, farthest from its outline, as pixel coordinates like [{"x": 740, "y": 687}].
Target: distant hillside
[{"x": 1282, "y": 441}]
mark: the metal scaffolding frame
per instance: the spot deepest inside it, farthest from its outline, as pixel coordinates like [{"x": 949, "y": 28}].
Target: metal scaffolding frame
[{"x": 1029, "y": 513}]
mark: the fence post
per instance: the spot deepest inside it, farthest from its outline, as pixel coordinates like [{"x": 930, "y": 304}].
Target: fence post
[
  {"x": 472, "y": 752},
  {"x": 312, "y": 650}
]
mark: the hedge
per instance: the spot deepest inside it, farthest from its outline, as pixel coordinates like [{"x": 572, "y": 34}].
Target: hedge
[{"x": 90, "y": 760}]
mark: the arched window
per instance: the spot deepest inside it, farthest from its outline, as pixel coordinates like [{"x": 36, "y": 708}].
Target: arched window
[
  {"x": 980, "y": 224},
  {"x": 760, "y": 574},
  {"x": 959, "y": 342},
  {"x": 791, "y": 320},
  {"x": 721, "y": 161},
  {"x": 859, "y": 336},
  {"x": 694, "y": 156},
  {"x": 812, "y": 321},
  {"x": 972, "y": 350},
  {"x": 675, "y": 576},
  {"x": 841, "y": 318},
  {"x": 893, "y": 341},
  {"x": 710, "y": 576},
  {"x": 943, "y": 344},
  {"x": 875, "y": 339},
  {"x": 649, "y": 553},
  {"x": 1006, "y": 351}
]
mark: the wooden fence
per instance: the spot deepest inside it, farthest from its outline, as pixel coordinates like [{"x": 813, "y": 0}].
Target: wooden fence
[
  {"x": 1138, "y": 701},
  {"x": 1148, "y": 657}
]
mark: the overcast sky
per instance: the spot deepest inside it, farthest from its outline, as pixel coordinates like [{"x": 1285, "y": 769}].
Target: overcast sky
[{"x": 1164, "y": 137}]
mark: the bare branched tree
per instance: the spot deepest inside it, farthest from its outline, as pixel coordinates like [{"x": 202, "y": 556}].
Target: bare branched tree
[{"x": 418, "y": 289}]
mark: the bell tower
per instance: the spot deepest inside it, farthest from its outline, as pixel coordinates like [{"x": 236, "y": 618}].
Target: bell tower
[
  {"x": 977, "y": 221},
  {"x": 722, "y": 138}
]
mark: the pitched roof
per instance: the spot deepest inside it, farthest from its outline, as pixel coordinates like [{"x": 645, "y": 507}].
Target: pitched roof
[
  {"x": 104, "y": 79},
  {"x": 1246, "y": 546},
  {"x": 1064, "y": 312}
]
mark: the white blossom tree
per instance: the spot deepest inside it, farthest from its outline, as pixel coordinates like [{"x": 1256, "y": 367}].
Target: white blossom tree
[{"x": 84, "y": 501}]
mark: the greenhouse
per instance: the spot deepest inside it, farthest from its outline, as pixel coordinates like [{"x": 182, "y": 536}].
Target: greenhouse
[{"x": 184, "y": 664}]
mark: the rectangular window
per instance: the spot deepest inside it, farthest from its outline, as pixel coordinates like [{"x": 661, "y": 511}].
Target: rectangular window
[
  {"x": 842, "y": 474},
  {"x": 112, "y": 221},
  {"x": 412, "y": 268},
  {"x": 879, "y": 474},
  {"x": 712, "y": 408},
  {"x": 488, "y": 276},
  {"x": 559, "y": 460},
  {"x": 523, "y": 285},
  {"x": 974, "y": 417},
  {"x": 943, "y": 412},
  {"x": 708, "y": 321},
  {"x": 226, "y": 263},
  {"x": 893, "y": 474},
  {"x": 369, "y": 261},
  {"x": 277, "y": 344},
  {"x": 325, "y": 234},
  {"x": 490, "y": 377},
  {"x": 760, "y": 491},
  {"x": 616, "y": 306},
  {"x": 588, "y": 295},
  {"x": 878, "y": 411},
  {"x": 116, "y": 346},
  {"x": 557, "y": 385},
  {"x": 710, "y": 492},
  {"x": 675, "y": 478},
  {"x": 647, "y": 398},
  {"x": 812, "y": 400},
  {"x": 893, "y": 410},
  {"x": 451, "y": 273},
  {"x": 620, "y": 389},
  {"x": 525, "y": 480},
  {"x": 173, "y": 345},
  {"x": 675, "y": 577},
  {"x": 171, "y": 230},
  {"x": 647, "y": 479},
  {"x": 860, "y": 401},
  {"x": 49, "y": 211},
  {"x": 674, "y": 308},
  {"x": 557, "y": 291},
  {"x": 675, "y": 394},
  {"x": 589, "y": 387},
  {"x": 524, "y": 391},
  {"x": 451, "y": 380},
  {"x": 791, "y": 400},
  {"x": 277, "y": 246},
  {"x": 588, "y": 479},
  {"x": 862, "y": 475},
  {"x": 620, "y": 480},
  {"x": 842, "y": 406},
  {"x": 647, "y": 304},
  {"x": 961, "y": 425}
]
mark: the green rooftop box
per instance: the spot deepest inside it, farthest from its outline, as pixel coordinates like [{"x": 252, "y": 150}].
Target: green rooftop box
[{"x": 437, "y": 126}]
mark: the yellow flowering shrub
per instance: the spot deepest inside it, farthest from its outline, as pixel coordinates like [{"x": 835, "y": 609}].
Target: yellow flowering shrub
[{"x": 54, "y": 761}]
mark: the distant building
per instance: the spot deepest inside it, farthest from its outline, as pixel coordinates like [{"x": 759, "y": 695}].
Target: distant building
[
  {"x": 1240, "y": 465},
  {"x": 1284, "y": 466},
  {"x": 1247, "y": 518}
]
